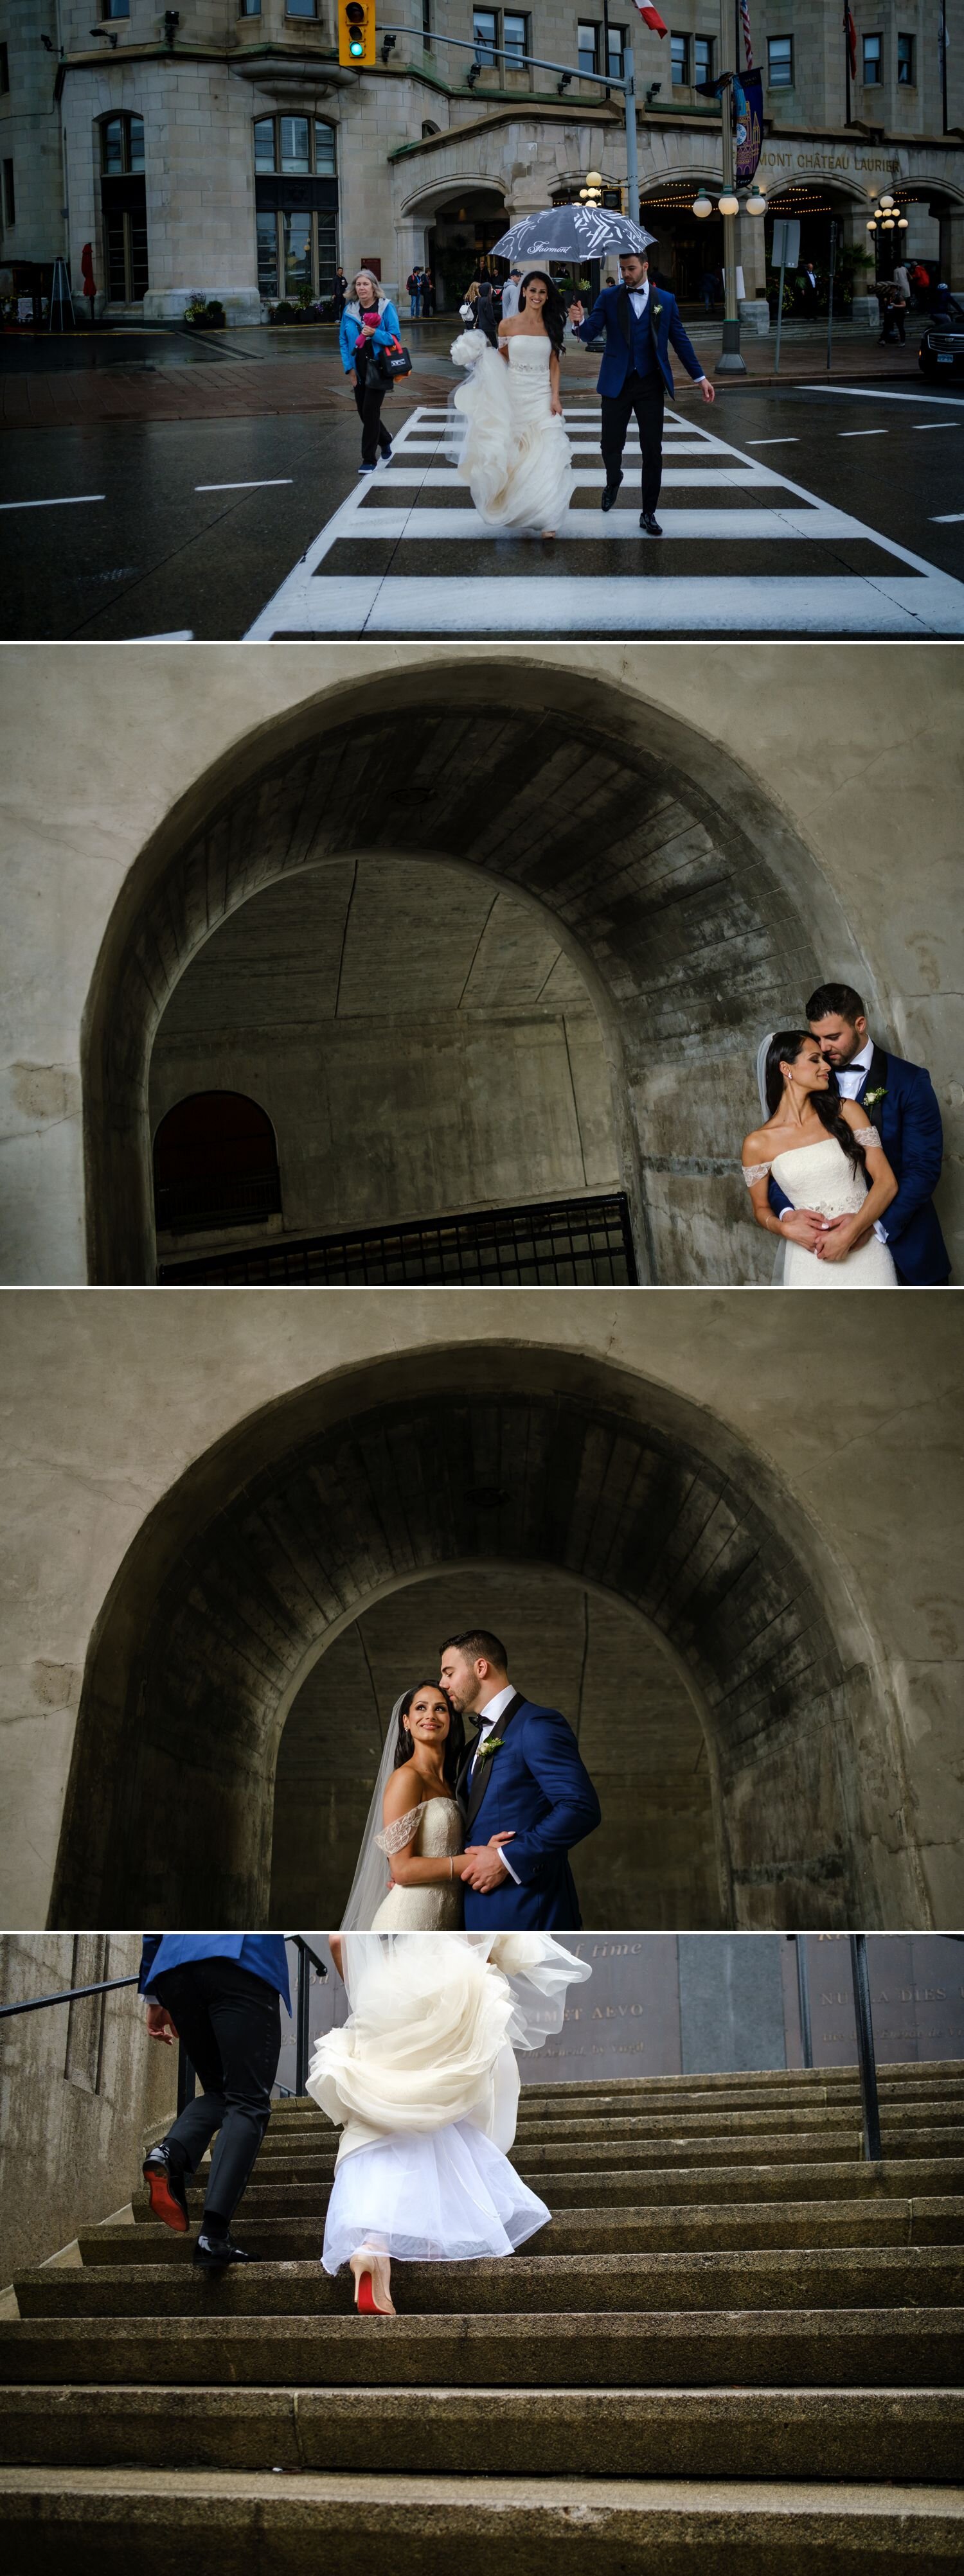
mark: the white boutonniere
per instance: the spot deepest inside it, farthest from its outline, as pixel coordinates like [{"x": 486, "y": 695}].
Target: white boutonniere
[
  {"x": 493, "y": 1744},
  {"x": 870, "y": 1097},
  {"x": 657, "y": 308}
]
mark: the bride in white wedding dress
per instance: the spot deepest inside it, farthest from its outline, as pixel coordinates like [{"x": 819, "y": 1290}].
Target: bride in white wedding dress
[
  {"x": 409, "y": 1873},
  {"x": 424, "y": 2085},
  {"x": 826, "y": 1157},
  {"x": 515, "y": 455}
]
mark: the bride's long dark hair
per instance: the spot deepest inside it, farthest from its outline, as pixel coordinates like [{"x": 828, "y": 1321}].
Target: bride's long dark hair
[
  {"x": 454, "y": 1742},
  {"x": 553, "y": 310},
  {"x": 784, "y": 1048}
]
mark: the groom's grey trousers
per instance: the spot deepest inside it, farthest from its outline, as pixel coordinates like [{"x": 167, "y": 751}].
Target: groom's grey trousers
[{"x": 230, "y": 2023}]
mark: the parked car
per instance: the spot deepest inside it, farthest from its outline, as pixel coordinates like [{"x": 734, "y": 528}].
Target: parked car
[
  {"x": 941, "y": 350},
  {"x": 942, "y": 346}
]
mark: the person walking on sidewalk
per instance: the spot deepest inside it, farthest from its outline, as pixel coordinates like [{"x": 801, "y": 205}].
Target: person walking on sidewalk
[
  {"x": 368, "y": 323},
  {"x": 220, "y": 1993}
]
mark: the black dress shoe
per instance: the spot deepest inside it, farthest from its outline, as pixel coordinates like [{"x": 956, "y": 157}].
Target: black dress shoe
[
  {"x": 214, "y": 2253},
  {"x": 168, "y": 2196},
  {"x": 609, "y": 495},
  {"x": 651, "y": 525}
]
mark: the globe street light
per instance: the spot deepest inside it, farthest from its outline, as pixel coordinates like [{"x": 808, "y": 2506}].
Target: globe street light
[{"x": 702, "y": 205}]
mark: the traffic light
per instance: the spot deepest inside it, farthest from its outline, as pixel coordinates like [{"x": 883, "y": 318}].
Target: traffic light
[{"x": 356, "y": 32}]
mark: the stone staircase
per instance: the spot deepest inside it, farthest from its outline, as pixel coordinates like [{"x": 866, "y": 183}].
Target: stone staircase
[{"x": 736, "y": 2347}]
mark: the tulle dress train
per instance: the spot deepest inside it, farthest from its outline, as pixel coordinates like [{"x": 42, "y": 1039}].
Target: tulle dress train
[
  {"x": 514, "y": 454},
  {"x": 424, "y": 2084}
]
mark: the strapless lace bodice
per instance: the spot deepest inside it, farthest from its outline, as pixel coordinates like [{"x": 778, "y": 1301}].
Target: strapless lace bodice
[
  {"x": 822, "y": 1177},
  {"x": 437, "y": 1824}
]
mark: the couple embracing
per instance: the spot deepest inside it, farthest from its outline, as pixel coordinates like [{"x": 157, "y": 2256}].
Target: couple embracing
[
  {"x": 844, "y": 1169},
  {"x": 475, "y": 1835}
]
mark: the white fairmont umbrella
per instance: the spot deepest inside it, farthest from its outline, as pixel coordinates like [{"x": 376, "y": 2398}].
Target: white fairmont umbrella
[{"x": 572, "y": 232}]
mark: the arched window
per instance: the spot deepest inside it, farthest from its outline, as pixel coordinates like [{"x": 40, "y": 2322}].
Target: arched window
[
  {"x": 215, "y": 1164},
  {"x": 124, "y": 208},
  {"x": 121, "y": 145}
]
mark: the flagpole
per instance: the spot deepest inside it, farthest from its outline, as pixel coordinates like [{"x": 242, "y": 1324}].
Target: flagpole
[
  {"x": 944, "y": 63},
  {"x": 846, "y": 56}
]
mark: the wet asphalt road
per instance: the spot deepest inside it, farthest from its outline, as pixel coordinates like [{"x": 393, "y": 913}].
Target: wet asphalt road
[{"x": 158, "y": 556}]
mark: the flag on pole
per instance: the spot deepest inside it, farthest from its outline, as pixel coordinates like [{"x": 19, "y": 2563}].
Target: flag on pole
[
  {"x": 651, "y": 18},
  {"x": 851, "y": 42},
  {"x": 747, "y": 38}
]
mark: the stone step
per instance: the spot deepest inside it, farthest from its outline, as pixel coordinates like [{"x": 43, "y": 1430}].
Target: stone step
[
  {"x": 581, "y": 2432},
  {"x": 786, "y": 2277},
  {"x": 734, "y": 2184},
  {"x": 928, "y": 2221},
  {"x": 602, "y": 2150},
  {"x": 939, "y": 2072},
  {"x": 532, "y": 2157},
  {"x": 755, "y": 2348},
  {"x": 940, "y": 2108},
  {"x": 107, "y": 2523},
  {"x": 821, "y": 2118},
  {"x": 678, "y": 2185}
]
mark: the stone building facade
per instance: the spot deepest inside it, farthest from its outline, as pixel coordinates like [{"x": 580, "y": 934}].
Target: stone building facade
[{"x": 169, "y": 140}]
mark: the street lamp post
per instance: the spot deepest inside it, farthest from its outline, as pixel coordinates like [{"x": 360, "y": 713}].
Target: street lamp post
[{"x": 729, "y": 362}]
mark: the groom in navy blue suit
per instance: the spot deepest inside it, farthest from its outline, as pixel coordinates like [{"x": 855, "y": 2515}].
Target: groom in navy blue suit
[
  {"x": 901, "y": 1103},
  {"x": 642, "y": 324},
  {"x": 526, "y": 1796}
]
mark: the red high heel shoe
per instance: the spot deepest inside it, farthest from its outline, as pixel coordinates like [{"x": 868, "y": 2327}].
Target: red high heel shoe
[{"x": 372, "y": 2273}]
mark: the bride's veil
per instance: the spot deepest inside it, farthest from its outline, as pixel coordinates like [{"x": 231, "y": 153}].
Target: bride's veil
[
  {"x": 369, "y": 1884},
  {"x": 762, "y": 1053}
]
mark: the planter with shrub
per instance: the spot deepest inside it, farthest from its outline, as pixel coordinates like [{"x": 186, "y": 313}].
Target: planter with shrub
[{"x": 202, "y": 316}]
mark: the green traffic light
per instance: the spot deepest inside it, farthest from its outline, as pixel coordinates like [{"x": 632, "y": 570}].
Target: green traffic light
[{"x": 356, "y": 46}]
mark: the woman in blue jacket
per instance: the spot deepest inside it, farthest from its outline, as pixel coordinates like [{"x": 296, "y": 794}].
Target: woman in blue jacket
[{"x": 369, "y": 322}]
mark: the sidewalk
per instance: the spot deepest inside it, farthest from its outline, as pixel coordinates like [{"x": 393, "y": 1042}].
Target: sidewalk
[{"x": 265, "y": 372}]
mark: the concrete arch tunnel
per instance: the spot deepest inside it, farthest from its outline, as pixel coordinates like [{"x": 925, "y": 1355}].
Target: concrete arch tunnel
[
  {"x": 667, "y": 901},
  {"x": 462, "y": 1469}
]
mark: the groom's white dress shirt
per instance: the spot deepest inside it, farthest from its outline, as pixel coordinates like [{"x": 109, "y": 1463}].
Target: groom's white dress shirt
[
  {"x": 489, "y": 1719},
  {"x": 850, "y": 1076}
]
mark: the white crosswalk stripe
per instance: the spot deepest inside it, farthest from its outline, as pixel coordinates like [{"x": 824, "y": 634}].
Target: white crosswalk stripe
[{"x": 657, "y": 592}]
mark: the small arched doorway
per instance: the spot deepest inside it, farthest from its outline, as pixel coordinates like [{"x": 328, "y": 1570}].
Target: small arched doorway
[{"x": 215, "y": 1166}]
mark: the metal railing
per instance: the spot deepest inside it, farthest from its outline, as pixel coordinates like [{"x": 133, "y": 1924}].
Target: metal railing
[
  {"x": 863, "y": 2017},
  {"x": 561, "y": 1242}
]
